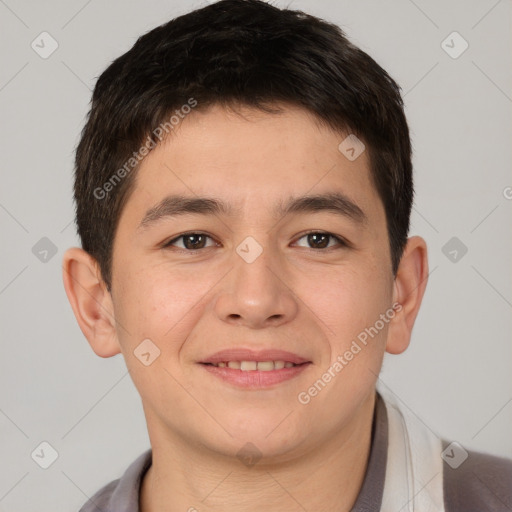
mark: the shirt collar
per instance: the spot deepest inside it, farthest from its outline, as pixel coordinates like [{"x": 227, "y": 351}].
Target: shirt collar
[{"x": 370, "y": 495}]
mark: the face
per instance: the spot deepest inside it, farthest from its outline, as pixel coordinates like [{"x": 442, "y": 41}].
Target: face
[{"x": 262, "y": 272}]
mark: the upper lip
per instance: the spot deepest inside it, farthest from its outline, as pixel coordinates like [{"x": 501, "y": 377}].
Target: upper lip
[{"x": 242, "y": 354}]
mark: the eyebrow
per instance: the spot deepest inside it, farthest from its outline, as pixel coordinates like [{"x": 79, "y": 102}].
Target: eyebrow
[{"x": 176, "y": 205}]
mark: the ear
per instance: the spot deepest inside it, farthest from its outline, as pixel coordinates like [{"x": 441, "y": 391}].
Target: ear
[
  {"x": 90, "y": 300},
  {"x": 409, "y": 288}
]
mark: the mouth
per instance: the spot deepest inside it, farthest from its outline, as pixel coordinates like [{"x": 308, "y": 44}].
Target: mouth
[
  {"x": 233, "y": 356},
  {"x": 255, "y": 370},
  {"x": 251, "y": 366}
]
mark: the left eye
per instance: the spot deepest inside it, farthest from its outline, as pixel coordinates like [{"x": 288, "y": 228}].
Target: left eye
[{"x": 320, "y": 240}]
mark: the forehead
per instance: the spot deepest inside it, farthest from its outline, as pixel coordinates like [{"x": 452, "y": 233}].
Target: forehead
[{"x": 255, "y": 161}]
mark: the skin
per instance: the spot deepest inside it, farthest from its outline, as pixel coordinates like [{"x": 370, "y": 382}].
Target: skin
[{"x": 295, "y": 296}]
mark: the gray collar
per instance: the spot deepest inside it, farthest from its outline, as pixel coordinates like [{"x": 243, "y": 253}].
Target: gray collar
[{"x": 370, "y": 495}]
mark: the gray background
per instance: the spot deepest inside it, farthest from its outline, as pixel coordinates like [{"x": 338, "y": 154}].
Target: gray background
[{"x": 456, "y": 375}]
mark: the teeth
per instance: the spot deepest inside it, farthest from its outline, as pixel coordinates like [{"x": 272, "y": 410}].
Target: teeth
[
  {"x": 248, "y": 365},
  {"x": 262, "y": 366}
]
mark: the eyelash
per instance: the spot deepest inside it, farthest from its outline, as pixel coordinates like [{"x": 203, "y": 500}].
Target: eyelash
[{"x": 342, "y": 243}]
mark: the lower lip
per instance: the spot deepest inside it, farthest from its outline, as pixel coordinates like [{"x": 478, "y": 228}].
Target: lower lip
[{"x": 254, "y": 378}]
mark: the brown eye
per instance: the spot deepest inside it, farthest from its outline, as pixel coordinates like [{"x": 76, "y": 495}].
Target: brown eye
[
  {"x": 193, "y": 241},
  {"x": 321, "y": 240},
  {"x": 190, "y": 241}
]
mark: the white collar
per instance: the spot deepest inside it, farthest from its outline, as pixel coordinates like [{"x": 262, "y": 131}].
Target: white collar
[{"x": 414, "y": 467}]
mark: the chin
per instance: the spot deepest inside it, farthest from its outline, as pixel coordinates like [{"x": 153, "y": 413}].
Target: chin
[{"x": 263, "y": 436}]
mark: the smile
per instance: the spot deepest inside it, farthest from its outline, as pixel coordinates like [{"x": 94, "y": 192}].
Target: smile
[
  {"x": 264, "y": 366},
  {"x": 255, "y": 374}
]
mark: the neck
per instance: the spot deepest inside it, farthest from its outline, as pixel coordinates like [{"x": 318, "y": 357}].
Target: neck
[{"x": 328, "y": 478}]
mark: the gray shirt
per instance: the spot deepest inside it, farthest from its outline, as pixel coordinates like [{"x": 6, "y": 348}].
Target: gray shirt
[{"x": 483, "y": 483}]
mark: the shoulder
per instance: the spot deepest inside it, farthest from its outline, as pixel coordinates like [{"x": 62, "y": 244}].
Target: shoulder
[
  {"x": 121, "y": 495},
  {"x": 482, "y": 482},
  {"x": 101, "y": 499}
]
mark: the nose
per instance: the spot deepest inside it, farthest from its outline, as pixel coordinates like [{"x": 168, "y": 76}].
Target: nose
[{"x": 256, "y": 293}]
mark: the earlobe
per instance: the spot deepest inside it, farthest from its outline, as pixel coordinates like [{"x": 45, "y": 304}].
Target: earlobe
[
  {"x": 409, "y": 288},
  {"x": 90, "y": 301}
]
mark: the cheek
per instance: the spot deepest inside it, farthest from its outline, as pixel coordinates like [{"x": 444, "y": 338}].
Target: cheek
[
  {"x": 162, "y": 305},
  {"x": 351, "y": 302},
  {"x": 357, "y": 337}
]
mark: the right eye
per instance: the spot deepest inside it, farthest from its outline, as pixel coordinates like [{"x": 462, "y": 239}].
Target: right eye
[{"x": 192, "y": 241}]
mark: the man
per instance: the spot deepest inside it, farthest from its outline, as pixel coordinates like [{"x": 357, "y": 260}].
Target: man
[{"x": 243, "y": 188}]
